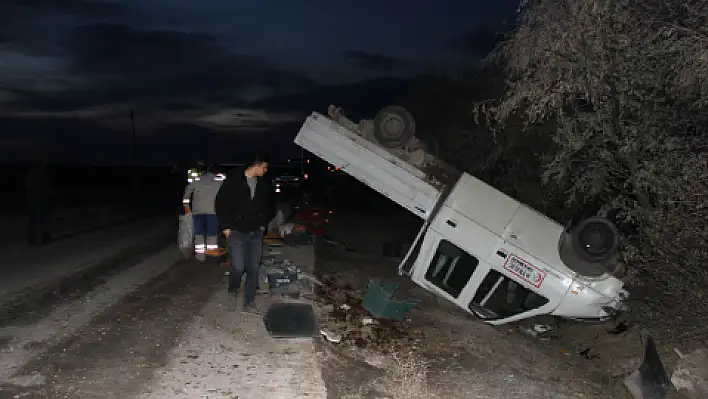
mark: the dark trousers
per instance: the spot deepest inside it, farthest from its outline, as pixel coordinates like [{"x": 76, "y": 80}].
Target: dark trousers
[
  {"x": 38, "y": 231},
  {"x": 206, "y": 233},
  {"x": 245, "y": 250}
]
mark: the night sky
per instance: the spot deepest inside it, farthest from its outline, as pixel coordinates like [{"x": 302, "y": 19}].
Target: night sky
[{"x": 203, "y": 78}]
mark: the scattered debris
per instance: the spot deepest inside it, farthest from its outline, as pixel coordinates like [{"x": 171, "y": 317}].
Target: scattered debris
[
  {"x": 331, "y": 337},
  {"x": 585, "y": 353},
  {"x": 620, "y": 328},
  {"x": 541, "y": 328},
  {"x": 528, "y": 331},
  {"x": 343, "y": 316},
  {"x": 690, "y": 375}
]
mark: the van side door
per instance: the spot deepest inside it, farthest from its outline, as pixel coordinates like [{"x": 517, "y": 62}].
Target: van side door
[
  {"x": 450, "y": 262},
  {"x": 516, "y": 286}
]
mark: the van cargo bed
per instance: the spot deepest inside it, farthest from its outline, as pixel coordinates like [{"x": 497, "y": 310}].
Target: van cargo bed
[{"x": 410, "y": 187}]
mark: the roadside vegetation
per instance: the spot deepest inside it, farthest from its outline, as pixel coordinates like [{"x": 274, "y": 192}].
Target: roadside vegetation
[{"x": 597, "y": 107}]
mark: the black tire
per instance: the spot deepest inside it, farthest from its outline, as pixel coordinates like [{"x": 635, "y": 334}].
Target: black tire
[
  {"x": 595, "y": 240},
  {"x": 394, "y": 126}
]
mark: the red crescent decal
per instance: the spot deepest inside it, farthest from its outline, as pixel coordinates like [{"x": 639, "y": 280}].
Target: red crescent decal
[{"x": 539, "y": 274}]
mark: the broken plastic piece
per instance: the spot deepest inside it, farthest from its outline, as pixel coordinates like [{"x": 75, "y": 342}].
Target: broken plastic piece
[
  {"x": 380, "y": 303},
  {"x": 541, "y": 328},
  {"x": 331, "y": 337}
]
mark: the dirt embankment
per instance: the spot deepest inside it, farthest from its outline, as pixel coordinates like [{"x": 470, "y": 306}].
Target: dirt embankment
[{"x": 440, "y": 351}]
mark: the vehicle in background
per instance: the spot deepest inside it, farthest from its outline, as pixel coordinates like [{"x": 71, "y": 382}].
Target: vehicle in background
[
  {"x": 287, "y": 177},
  {"x": 482, "y": 250},
  {"x": 284, "y": 176},
  {"x": 315, "y": 218}
]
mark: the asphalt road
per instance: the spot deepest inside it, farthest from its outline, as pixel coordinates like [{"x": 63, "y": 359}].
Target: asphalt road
[{"x": 141, "y": 322}]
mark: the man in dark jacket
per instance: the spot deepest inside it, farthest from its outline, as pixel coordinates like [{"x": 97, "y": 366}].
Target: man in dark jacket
[{"x": 243, "y": 210}]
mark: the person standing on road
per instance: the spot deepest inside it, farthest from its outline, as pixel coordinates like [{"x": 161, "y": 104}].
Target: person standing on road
[
  {"x": 201, "y": 193},
  {"x": 243, "y": 208},
  {"x": 38, "y": 201}
]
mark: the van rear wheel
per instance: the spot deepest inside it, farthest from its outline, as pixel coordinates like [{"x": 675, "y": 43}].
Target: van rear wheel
[{"x": 394, "y": 126}]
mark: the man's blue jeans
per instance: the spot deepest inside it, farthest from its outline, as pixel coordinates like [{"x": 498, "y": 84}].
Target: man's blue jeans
[{"x": 245, "y": 250}]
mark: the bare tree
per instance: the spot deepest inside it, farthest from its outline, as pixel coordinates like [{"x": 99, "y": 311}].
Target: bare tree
[{"x": 621, "y": 87}]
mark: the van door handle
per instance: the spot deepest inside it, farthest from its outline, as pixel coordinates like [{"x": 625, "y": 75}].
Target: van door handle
[{"x": 451, "y": 223}]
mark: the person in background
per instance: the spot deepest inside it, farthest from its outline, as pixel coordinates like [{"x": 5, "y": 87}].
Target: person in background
[
  {"x": 244, "y": 209},
  {"x": 38, "y": 200},
  {"x": 201, "y": 194}
]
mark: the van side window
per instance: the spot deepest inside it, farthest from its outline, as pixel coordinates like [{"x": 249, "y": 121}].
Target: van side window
[
  {"x": 451, "y": 268},
  {"x": 498, "y": 296}
]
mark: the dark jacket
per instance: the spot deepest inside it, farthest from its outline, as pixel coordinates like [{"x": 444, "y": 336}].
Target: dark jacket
[{"x": 236, "y": 210}]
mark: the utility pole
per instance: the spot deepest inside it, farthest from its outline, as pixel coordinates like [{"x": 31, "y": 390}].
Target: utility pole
[{"x": 135, "y": 139}]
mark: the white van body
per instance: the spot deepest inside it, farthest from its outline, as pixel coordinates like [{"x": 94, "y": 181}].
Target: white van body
[{"x": 479, "y": 248}]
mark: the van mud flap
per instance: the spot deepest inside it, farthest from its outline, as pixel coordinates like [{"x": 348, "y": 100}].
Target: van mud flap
[{"x": 650, "y": 381}]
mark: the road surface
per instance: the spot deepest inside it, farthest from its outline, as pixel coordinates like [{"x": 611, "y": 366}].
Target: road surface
[
  {"x": 123, "y": 316},
  {"x": 67, "y": 223}
]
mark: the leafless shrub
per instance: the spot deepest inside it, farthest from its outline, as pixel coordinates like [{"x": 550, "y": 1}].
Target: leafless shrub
[{"x": 621, "y": 89}]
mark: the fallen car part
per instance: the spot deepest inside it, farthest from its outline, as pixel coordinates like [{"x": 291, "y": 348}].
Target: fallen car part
[
  {"x": 291, "y": 320},
  {"x": 379, "y": 301}
]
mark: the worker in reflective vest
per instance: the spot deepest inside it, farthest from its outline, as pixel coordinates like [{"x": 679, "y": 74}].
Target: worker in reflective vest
[{"x": 201, "y": 194}]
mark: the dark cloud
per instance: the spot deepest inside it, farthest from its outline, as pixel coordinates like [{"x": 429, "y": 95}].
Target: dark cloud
[
  {"x": 359, "y": 100},
  {"x": 187, "y": 62},
  {"x": 153, "y": 64},
  {"x": 376, "y": 62},
  {"x": 477, "y": 42},
  {"x": 126, "y": 65},
  {"x": 33, "y": 26},
  {"x": 84, "y": 8}
]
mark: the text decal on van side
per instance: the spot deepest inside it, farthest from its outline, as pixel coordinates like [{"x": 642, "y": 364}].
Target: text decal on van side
[{"x": 524, "y": 270}]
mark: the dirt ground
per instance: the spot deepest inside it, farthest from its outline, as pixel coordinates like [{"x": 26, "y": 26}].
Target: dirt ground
[{"x": 440, "y": 351}]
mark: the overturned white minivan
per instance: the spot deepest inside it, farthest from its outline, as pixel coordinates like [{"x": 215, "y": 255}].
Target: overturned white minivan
[{"x": 479, "y": 248}]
